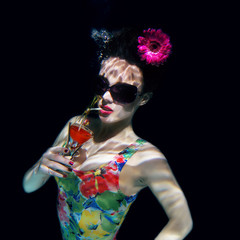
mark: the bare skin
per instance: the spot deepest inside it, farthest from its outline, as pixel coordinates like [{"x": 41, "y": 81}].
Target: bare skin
[{"x": 112, "y": 133}]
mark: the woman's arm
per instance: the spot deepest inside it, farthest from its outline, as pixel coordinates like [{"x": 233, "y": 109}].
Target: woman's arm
[
  {"x": 49, "y": 164},
  {"x": 160, "y": 179},
  {"x": 34, "y": 179}
]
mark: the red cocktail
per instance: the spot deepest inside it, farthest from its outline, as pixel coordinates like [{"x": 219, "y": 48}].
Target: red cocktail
[{"x": 79, "y": 136}]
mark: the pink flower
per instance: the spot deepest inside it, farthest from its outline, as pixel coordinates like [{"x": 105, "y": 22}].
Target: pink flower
[{"x": 154, "y": 46}]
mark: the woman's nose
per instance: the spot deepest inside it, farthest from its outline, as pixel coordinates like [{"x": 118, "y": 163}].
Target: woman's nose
[{"x": 107, "y": 97}]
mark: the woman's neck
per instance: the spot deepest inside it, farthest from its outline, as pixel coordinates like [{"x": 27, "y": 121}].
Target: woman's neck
[{"x": 120, "y": 131}]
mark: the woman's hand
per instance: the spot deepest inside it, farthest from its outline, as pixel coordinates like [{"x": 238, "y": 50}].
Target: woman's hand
[{"x": 54, "y": 163}]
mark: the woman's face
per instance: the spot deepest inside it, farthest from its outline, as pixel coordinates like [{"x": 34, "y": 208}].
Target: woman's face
[{"x": 117, "y": 70}]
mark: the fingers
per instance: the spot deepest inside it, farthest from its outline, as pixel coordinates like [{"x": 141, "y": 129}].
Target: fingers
[
  {"x": 58, "y": 158},
  {"x": 58, "y": 150},
  {"x": 59, "y": 167},
  {"x": 53, "y": 155},
  {"x": 48, "y": 171},
  {"x": 54, "y": 163}
]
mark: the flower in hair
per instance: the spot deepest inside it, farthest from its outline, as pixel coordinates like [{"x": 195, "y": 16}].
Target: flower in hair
[{"x": 154, "y": 46}]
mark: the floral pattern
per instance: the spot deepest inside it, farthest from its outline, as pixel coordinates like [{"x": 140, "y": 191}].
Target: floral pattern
[
  {"x": 98, "y": 181},
  {"x": 90, "y": 204}
]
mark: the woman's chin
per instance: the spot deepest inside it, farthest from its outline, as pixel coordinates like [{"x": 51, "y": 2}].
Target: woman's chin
[
  {"x": 111, "y": 119},
  {"x": 107, "y": 118}
]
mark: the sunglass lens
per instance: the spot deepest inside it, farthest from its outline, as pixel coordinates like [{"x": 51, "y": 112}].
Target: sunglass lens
[
  {"x": 124, "y": 93},
  {"x": 101, "y": 86}
]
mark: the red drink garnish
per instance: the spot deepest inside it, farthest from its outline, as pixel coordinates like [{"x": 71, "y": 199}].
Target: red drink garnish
[{"x": 79, "y": 136}]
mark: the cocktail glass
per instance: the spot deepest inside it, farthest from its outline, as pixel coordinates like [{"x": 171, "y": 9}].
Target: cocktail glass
[{"x": 79, "y": 132}]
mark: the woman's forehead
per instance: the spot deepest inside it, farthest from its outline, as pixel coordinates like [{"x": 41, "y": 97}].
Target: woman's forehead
[{"x": 119, "y": 70}]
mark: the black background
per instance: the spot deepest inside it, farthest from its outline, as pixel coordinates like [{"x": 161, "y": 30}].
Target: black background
[{"x": 48, "y": 71}]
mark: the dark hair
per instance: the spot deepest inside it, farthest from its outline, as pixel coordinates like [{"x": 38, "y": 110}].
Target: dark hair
[{"x": 123, "y": 44}]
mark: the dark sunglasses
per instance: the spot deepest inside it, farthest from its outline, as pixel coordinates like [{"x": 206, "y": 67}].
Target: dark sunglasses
[{"x": 120, "y": 92}]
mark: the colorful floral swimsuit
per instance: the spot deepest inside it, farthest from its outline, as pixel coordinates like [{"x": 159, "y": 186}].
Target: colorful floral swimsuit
[{"x": 90, "y": 204}]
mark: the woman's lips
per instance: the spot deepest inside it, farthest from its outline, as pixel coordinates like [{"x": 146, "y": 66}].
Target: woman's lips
[{"x": 105, "y": 110}]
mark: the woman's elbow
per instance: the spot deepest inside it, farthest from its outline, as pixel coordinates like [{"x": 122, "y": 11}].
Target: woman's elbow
[
  {"x": 26, "y": 187},
  {"x": 187, "y": 225},
  {"x": 182, "y": 222}
]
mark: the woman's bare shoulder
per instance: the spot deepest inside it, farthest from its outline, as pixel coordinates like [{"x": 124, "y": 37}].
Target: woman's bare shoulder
[
  {"x": 150, "y": 160},
  {"x": 149, "y": 151}
]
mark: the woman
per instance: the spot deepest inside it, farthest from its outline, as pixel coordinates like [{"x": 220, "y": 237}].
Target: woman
[{"x": 99, "y": 184}]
